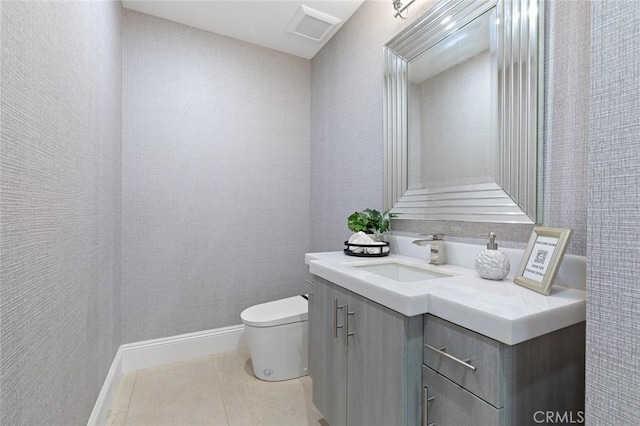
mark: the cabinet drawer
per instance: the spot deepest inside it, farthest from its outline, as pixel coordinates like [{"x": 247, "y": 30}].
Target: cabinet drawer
[
  {"x": 481, "y": 352},
  {"x": 453, "y": 406}
]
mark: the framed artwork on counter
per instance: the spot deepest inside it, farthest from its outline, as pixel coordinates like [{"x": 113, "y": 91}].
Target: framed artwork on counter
[{"x": 542, "y": 258}]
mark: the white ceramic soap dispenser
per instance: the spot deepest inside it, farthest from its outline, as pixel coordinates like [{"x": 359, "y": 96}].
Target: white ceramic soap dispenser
[{"x": 491, "y": 263}]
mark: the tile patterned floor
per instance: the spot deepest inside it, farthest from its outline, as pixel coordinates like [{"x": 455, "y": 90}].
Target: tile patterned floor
[{"x": 218, "y": 390}]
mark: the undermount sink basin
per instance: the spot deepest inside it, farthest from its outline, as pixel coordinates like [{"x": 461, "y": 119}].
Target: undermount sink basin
[{"x": 400, "y": 272}]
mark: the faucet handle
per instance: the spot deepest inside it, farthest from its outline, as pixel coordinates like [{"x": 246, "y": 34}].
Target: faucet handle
[{"x": 433, "y": 237}]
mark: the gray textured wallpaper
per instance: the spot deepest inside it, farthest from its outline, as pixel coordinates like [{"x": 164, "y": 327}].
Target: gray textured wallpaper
[
  {"x": 566, "y": 129},
  {"x": 60, "y": 159},
  {"x": 215, "y": 177},
  {"x": 346, "y": 121},
  {"x": 461, "y": 151},
  {"x": 347, "y": 133},
  {"x": 613, "y": 313}
]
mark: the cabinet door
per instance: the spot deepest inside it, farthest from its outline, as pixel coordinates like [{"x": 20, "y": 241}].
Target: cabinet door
[
  {"x": 382, "y": 388},
  {"x": 329, "y": 364}
]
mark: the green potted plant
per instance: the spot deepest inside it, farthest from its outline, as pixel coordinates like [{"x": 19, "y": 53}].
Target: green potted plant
[{"x": 369, "y": 221}]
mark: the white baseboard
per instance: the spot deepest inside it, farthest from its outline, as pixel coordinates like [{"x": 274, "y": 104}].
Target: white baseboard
[
  {"x": 152, "y": 353},
  {"x": 156, "y": 352},
  {"x": 107, "y": 394}
]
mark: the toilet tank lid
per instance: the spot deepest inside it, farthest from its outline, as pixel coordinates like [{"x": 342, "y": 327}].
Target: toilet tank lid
[{"x": 278, "y": 312}]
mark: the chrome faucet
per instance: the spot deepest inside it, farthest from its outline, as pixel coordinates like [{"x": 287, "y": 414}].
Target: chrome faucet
[
  {"x": 436, "y": 251},
  {"x": 425, "y": 242}
]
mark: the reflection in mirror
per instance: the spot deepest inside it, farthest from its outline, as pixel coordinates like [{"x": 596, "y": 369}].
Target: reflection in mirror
[
  {"x": 462, "y": 116},
  {"x": 452, "y": 109}
]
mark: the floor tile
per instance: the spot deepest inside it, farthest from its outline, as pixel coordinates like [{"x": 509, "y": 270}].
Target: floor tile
[
  {"x": 147, "y": 418},
  {"x": 281, "y": 404},
  {"x": 232, "y": 367},
  {"x": 250, "y": 401},
  {"x": 196, "y": 382},
  {"x": 307, "y": 383},
  {"x": 117, "y": 419},
  {"x": 218, "y": 390},
  {"x": 175, "y": 366},
  {"x": 147, "y": 396},
  {"x": 196, "y": 413},
  {"x": 123, "y": 396}
]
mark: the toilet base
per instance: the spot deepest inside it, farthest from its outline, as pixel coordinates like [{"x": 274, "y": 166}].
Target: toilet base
[{"x": 279, "y": 352}]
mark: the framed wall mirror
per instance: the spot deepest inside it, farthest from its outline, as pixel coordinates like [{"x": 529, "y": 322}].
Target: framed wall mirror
[{"x": 463, "y": 113}]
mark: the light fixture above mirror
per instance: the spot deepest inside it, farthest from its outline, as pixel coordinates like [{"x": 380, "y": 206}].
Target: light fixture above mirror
[{"x": 400, "y": 8}]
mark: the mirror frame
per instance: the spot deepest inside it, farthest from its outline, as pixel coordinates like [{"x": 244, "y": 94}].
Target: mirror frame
[{"x": 516, "y": 195}]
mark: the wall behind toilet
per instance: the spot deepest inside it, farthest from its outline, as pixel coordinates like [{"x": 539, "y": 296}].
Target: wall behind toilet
[{"x": 215, "y": 177}]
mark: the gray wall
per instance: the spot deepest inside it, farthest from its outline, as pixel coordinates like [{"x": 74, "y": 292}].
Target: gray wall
[
  {"x": 347, "y": 134},
  {"x": 60, "y": 167},
  {"x": 463, "y": 92},
  {"x": 613, "y": 321},
  {"x": 346, "y": 121},
  {"x": 215, "y": 177},
  {"x": 566, "y": 127}
]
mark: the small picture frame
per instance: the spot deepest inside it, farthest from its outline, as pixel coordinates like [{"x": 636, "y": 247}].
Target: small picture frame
[{"x": 542, "y": 258}]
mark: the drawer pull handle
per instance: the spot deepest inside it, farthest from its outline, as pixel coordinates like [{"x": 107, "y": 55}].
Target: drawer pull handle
[
  {"x": 309, "y": 282},
  {"x": 335, "y": 318},
  {"x": 426, "y": 399},
  {"x": 451, "y": 357},
  {"x": 347, "y": 333}
]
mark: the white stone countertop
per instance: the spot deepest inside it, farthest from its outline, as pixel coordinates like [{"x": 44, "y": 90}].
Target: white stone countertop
[{"x": 501, "y": 310}]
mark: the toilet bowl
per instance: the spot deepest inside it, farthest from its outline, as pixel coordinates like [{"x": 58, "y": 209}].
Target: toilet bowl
[{"x": 277, "y": 336}]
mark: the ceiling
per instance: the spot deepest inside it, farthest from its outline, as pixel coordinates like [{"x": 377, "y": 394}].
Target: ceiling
[{"x": 262, "y": 22}]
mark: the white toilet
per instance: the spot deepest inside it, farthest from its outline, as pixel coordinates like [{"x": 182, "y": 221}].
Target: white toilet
[{"x": 277, "y": 335}]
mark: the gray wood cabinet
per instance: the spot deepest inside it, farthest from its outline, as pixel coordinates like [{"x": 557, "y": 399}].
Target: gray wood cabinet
[
  {"x": 328, "y": 362},
  {"x": 373, "y": 366},
  {"x": 365, "y": 359},
  {"x": 470, "y": 379}
]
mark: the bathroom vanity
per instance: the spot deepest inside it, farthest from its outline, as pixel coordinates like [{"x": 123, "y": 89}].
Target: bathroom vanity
[
  {"x": 443, "y": 348},
  {"x": 364, "y": 359}
]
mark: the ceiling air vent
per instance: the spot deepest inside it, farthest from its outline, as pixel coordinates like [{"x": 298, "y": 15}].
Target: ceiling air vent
[{"x": 311, "y": 23}]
